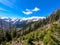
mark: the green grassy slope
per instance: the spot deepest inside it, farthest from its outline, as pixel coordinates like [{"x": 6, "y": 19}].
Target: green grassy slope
[{"x": 50, "y": 36}]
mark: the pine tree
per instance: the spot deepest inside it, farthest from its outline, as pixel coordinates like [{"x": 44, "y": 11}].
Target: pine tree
[{"x": 10, "y": 25}]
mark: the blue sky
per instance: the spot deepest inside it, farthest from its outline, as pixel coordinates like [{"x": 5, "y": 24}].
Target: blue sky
[{"x": 27, "y": 8}]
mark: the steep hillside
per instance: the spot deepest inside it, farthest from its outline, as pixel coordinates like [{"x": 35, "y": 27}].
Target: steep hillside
[{"x": 44, "y": 36}]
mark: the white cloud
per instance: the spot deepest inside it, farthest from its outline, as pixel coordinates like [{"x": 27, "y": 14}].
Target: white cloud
[
  {"x": 24, "y": 18},
  {"x": 29, "y": 11},
  {"x": 7, "y": 3},
  {"x": 37, "y": 17},
  {"x": 2, "y": 9},
  {"x": 36, "y": 9},
  {"x": 33, "y": 17},
  {"x": 3, "y": 17}
]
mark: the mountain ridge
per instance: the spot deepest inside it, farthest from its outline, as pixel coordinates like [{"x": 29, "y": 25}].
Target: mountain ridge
[{"x": 18, "y": 22}]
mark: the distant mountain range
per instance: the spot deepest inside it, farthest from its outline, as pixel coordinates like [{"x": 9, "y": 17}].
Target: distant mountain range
[{"x": 19, "y": 23}]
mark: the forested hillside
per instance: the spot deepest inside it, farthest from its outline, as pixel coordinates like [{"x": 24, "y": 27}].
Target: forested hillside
[{"x": 43, "y": 32}]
